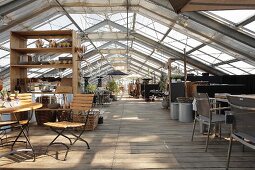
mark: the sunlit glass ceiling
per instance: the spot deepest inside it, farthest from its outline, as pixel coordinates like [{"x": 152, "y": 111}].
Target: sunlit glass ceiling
[{"x": 152, "y": 39}]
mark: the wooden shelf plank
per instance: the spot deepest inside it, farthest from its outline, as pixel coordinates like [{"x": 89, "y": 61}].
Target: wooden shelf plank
[
  {"x": 38, "y": 92},
  {"x": 45, "y": 66},
  {"x": 44, "y": 50},
  {"x": 47, "y": 109},
  {"x": 50, "y": 34}
]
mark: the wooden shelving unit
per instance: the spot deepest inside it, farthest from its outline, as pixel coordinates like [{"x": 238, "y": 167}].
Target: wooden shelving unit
[{"x": 19, "y": 43}]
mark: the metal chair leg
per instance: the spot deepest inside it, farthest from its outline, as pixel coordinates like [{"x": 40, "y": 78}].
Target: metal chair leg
[
  {"x": 220, "y": 130},
  {"x": 23, "y": 129},
  {"x": 60, "y": 133},
  {"x": 193, "y": 131},
  {"x": 208, "y": 134},
  {"x": 78, "y": 137},
  {"x": 28, "y": 141},
  {"x": 229, "y": 151}
]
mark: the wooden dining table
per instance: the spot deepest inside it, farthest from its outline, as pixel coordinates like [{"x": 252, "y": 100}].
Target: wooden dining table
[{"x": 22, "y": 107}]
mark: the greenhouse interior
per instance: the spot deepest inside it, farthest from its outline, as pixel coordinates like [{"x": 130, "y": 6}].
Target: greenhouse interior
[{"x": 127, "y": 84}]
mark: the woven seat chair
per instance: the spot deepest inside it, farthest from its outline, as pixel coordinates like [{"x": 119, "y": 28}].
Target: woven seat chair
[
  {"x": 206, "y": 114},
  {"x": 20, "y": 123},
  {"x": 82, "y": 103},
  {"x": 243, "y": 118}
]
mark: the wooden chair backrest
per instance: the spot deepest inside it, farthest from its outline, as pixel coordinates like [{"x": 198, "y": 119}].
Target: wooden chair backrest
[
  {"x": 24, "y": 97},
  {"x": 203, "y": 104},
  {"x": 82, "y": 102},
  {"x": 243, "y": 110}
]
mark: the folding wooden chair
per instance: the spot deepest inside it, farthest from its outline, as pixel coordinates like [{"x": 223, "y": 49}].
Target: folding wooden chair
[{"x": 82, "y": 104}]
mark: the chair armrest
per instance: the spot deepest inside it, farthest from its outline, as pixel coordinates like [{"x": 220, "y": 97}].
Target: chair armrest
[{"x": 219, "y": 108}]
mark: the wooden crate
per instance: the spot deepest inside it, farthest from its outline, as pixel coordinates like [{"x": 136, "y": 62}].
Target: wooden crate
[{"x": 92, "y": 120}]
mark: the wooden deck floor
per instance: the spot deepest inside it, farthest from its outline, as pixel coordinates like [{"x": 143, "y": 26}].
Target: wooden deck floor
[{"x": 135, "y": 135}]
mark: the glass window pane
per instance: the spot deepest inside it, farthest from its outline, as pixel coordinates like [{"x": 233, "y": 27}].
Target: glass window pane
[{"x": 234, "y": 16}]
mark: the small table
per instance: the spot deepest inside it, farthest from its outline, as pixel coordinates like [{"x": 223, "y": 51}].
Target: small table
[{"x": 22, "y": 107}]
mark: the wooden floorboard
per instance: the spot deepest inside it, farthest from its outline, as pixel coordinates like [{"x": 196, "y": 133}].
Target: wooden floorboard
[{"x": 134, "y": 135}]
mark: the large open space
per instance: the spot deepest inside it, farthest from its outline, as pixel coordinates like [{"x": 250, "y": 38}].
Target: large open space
[
  {"x": 127, "y": 84},
  {"x": 135, "y": 135}
]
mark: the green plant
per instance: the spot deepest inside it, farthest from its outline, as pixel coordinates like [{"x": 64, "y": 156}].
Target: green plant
[
  {"x": 91, "y": 88},
  {"x": 3, "y": 93},
  {"x": 176, "y": 76},
  {"x": 112, "y": 86},
  {"x": 162, "y": 82}
]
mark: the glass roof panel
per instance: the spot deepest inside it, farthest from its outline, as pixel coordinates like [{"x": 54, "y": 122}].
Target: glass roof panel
[
  {"x": 210, "y": 50},
  {"x": 154, "y": 65},
  {"x": 204, "y": 57},
  {"x": 89, "y": 46},
  {"x": 144, "y": 49},
  {"x": 6, "y": 44},
  {"x": 99, "y": 43},
  {"x": 159, "y": 56},
  {"x": 225, "y": 57},
  {"x": 115, "y": 45},
  {"x": 86, "y": 20},
  {"x": 244, "y": 66},
  {"x": 148, "y": 32},
  {"x": 3, "y": 53},
  {"x": 232, "y": 69},
  {"x": 138, "y": 58},
  {"x": 4, "y": 61},
  {"x": 251, "y": 27},
  {"x": 174, "y": 44},
  {"x": 148, "y": 27},
  {"x": 54, "y": 24},
  {"x": 135, "y": 63},
  {"x": 235, "y": 16},
  {"x": 94, "y": 58},
  {"x": 252, "y": 71},
  {"x": 121, "y": 19},
  {"x": 175, "y": 35}
]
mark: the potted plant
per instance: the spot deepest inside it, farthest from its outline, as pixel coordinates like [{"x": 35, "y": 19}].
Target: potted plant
[
  {"x": 176, "y": 77},
  {"x": 113, "y": 87},
  {"x": 162, "y": 87}
]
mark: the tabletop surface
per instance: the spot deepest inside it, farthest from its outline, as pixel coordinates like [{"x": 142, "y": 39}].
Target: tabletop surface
[{"x": 21, "y": 108}]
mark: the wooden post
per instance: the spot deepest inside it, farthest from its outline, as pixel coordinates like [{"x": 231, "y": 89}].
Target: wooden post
[
  {"x": 185, "y": 73},
  {"x": 169, "y": 79}
]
